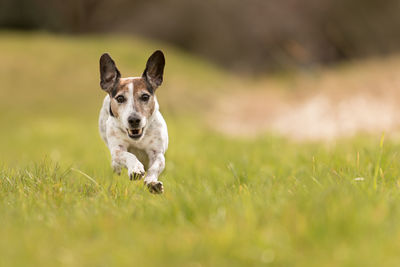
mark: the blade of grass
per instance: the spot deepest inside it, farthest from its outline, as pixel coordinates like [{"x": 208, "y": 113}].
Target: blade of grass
[{"x": 378, "y": 162}]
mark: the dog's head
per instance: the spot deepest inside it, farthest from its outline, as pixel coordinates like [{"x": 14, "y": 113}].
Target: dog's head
[{"x": 132, "y": 100}]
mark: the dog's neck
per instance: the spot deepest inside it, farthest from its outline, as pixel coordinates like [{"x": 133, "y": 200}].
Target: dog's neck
[{"x": 156, "y": 109}]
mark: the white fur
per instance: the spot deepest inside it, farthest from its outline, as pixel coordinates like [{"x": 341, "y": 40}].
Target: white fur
[{"x": 135, "y": 155}]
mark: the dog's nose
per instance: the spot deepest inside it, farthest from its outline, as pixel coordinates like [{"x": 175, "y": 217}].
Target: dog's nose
[{"x": 134, "y": 121}]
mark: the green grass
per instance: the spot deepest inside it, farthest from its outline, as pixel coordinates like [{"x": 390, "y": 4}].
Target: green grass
[{"x": 227, "y": 202}]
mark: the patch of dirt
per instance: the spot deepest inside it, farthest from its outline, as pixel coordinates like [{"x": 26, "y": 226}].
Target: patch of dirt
[{"x": 363, "y": 97}]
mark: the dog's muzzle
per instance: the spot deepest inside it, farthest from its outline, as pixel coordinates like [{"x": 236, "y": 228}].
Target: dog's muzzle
[{"x": 135, "y": 133}]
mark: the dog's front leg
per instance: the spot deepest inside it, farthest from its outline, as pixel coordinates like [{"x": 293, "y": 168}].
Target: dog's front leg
[
  {"x": 156, "y": 166},
  {"x": 120, "y": 157}
]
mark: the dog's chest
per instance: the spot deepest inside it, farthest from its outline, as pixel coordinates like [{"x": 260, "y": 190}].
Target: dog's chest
[
  {"x": 150, "y": 145},
  {"x": 141, "y": 155}
]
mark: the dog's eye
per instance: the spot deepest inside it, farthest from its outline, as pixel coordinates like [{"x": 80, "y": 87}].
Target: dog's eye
[
  {"x": 120, "y": 99},
  {"x": 145, "y": 97}
]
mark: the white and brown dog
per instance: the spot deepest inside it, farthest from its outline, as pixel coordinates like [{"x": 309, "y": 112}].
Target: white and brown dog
[{"x": 130, "y": 122}]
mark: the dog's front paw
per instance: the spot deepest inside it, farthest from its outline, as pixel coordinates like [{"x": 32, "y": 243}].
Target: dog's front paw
[
  {"x": 155, "y": 187},
  {"x": 136, "y": 172}
]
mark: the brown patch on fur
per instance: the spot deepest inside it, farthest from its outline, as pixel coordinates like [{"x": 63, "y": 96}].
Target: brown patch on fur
[
  {"x": 139, "y": 88},
  {"x": 114, "y": 108},
  {"x": 122, "y": 86}
]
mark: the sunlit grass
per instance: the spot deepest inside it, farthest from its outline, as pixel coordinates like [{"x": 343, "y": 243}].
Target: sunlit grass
[{"x": 227, "y": 201}]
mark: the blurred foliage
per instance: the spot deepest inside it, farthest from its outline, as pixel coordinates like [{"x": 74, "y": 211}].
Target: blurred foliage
[{"x": 253, "y": 35}]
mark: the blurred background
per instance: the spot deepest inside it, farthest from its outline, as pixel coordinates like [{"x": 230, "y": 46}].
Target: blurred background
[
  {"x": 253, "y": 36},
  {"x": 253, "y": 92},
  {"x": 308, "y": 69}
]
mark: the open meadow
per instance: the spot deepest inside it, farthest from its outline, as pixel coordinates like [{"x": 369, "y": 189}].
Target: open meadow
[{"x": 228, "y": 201}]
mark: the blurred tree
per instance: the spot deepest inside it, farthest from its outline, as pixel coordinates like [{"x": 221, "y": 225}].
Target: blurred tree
[{"x": 252, "y": 35}]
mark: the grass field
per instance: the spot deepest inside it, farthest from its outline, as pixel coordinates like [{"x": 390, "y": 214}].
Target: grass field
[{"x": 227, "y": 201}]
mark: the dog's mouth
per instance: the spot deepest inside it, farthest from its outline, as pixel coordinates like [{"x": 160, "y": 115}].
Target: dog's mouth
[{"x": 135, "y": 133}]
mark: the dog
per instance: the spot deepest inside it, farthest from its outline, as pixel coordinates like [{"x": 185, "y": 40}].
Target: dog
[{"x": 130, "y": 122}]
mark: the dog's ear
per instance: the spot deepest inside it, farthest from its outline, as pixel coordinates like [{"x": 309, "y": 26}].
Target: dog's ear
[
  {"x": 109, "y": 74},
  {"x": 155, "y": 69}
]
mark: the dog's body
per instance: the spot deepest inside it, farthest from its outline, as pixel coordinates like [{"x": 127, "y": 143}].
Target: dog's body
[{"x": 130, "y": 122}]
